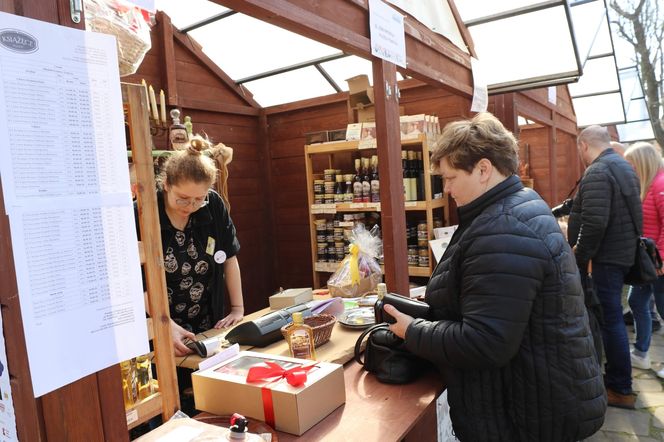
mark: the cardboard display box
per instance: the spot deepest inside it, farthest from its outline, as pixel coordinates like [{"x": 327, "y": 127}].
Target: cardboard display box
[
  {"x": 222, "y": 389},
  {"x": 360, "y": 92},
  {"x": 290, "y": 297}
]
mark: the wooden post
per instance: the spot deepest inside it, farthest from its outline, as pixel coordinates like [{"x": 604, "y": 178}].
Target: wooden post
[{"x": 393, "y": 214}]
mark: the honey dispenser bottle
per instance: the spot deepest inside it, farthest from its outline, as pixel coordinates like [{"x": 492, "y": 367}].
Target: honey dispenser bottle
[{"x": 301, "y": 339}]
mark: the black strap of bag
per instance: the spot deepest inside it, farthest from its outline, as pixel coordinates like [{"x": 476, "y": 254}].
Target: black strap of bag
[{"x": 360, "y": 339}]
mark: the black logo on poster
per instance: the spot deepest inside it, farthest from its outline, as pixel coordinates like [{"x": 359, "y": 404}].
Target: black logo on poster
[{"x": 18, "y": 41}]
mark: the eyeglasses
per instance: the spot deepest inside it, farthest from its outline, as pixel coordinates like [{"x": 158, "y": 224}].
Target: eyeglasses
[{"x": 195, "y": 203}]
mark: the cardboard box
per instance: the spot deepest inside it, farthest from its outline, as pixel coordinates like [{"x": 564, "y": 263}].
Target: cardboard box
[
  {"x": 360, "y": 91},
  {"x": 222, "y": 389},
  {"x": 316, "y": 137},
  {"x": 290, "y": 297}
]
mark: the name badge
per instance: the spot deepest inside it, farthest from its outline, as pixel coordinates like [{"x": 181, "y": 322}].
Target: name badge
[
  {"x": 210, "y": 246},
  {"x": 220, "y": 257}
]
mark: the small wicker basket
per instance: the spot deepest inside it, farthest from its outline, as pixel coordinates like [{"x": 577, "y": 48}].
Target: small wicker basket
[{"x": 321, "y": 325}]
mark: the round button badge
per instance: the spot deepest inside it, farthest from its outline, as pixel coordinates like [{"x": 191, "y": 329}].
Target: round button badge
[{"x": 219, "y": 256}]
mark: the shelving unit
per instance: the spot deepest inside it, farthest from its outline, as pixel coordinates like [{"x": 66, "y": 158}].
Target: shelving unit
[
  {"x": 166, "y": 401},
  {"x": 330, "y": 149}
]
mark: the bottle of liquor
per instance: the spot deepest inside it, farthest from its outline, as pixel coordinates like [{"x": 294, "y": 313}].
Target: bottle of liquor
[
  {"x": 357, "y": 182},
  {"x": 177, "y": 133},
  {"x": 412, "y": 175},
  {"x": 339, "y": 189},
  {"x": 366, "y": 181},
  {"x": 420, "y": 177},
  {"x": 375, "y": 184},
  {"x": 404, "y": 170},
  {"x": 301, "y": 339},
  {"x": 348, "y": 196}
]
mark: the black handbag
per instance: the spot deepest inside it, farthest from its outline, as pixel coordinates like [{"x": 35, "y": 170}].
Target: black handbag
[
  {"x": 386, "y": 357},
  {"x": 646, "y": 262}
]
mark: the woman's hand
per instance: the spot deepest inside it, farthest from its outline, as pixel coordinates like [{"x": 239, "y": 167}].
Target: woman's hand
[
  {"x": 179, "y": 334},
  {"x": 234, "y": 317},
  {"x": 403, "y": 321}
]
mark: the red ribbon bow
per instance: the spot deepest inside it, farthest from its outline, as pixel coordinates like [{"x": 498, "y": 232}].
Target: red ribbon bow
[{"x": 295, "y": 376}]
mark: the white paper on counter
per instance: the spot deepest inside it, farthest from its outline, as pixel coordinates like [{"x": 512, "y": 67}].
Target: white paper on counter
[{"x": 65, "y": 179}]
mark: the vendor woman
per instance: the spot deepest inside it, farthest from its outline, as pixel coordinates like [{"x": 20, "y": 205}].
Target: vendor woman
[{"x": 199, "y": 245}]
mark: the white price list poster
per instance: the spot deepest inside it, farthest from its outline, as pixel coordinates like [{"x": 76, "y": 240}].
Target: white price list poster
[
  {"x": 65, "y": 181},
  {"x": 7, "y": 415}
]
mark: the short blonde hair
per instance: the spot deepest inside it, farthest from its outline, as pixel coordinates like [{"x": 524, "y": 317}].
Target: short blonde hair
[
  {"x": 647, "y": 161},
  {"x": 466, "y": 142}
]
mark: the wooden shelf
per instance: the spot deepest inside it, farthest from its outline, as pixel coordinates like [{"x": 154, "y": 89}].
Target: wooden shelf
[
  {"x": 144, "y": 410},
  {"x": 317, "y": 209},
  {"x": 351, "y": 146},
  {"x": 331, "y": 267}
]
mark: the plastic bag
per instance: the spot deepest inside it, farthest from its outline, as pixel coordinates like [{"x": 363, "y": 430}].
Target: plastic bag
[
  {"x": 359, "y": 273},
  {"x": 127, "y": 23}
]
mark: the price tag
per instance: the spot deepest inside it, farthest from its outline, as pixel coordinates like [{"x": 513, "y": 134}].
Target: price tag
[
  {"x": 373, "y": 206},
  {"x": 346, "y": 223},
  {"x": 367, "y": 144},
  {"x": 411, "y": 203},
  {"x": 330, "y": 208},
  {"x": 356, "y": 205},
  {"x": 132, "y": 416}
]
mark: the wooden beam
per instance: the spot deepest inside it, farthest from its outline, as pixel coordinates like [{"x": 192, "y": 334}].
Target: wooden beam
[
  {"x": 109, "y": 384},
  {"x": 186, "y": 41},
  {"x": 465, "y": 33},
  {"x": 169, "y": 75},
  {"x": 269, "y": 262},
  {"x": 393, "y": 215},
  {"x": 553, "y": 168},
  {"x": 430, "y": 57},
  {"x": 218, "y": 107},
  {"x": 303, "y": 104}
]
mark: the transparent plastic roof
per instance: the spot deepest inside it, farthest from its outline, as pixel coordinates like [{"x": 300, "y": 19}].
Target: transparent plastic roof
[{"x": 520, "y": 43}]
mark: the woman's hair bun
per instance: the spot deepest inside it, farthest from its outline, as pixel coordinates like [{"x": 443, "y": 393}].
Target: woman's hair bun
[{"x": 197, "y": 144}]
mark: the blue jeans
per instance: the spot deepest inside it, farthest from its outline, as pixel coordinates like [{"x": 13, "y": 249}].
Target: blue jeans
[
  {"x": 639, "y": 303},
  {"x": 608, "y": 281}
]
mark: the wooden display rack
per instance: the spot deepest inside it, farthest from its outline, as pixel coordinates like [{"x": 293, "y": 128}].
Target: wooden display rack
[
  {"x": 166, "y": 400},
  {"x": 316, "y": 210}
]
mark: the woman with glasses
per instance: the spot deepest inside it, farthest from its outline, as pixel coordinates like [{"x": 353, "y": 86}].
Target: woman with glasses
[{"x": 199, "y": 244}]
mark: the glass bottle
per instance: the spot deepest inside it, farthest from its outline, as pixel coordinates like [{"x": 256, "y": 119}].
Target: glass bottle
[
  {"x": 177, "y": 133},
  {"x": 188, "y": 125},
  {"x": 301, "y": 339},
  {"x": 420, "y": 177},
  {"x": 357, "y": 182},
  {"x": 348, "y": 196},
  {"x": 404, "y": 170},
  {"x": 366, "y": 181},
  {"x": 339, "y": 190},
  {"x": 129, "y": 390},
  {"x": 412, "y": 175},
  {"x": 375, "y": 184},
  {"x": 381, "y": 291},
  {"x": 144, "y": 376}
]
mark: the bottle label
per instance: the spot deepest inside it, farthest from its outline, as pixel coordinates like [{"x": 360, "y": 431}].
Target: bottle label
[{"x": 375, "y": 191}]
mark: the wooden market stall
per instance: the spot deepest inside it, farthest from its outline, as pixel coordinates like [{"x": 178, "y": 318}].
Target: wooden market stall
[{"x": 268, "y": 184}]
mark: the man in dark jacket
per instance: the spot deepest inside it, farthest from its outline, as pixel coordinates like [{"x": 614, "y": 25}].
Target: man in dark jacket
[
  {"x": 510, "y": 331},
  {"x": 601, "y": 230}
]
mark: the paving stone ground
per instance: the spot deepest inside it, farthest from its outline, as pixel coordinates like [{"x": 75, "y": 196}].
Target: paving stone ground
[{"x": 646, "y": 423}]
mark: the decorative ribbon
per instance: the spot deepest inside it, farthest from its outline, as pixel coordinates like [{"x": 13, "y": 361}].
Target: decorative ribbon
[
  {"x": 354, "y": 264},
  {"x": 295, "y": 376}
]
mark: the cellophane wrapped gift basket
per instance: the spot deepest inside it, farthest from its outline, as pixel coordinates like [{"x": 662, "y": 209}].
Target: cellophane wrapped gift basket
[
  {"x": 359, "y": 272},
  {"x": 129, "y": 26}
]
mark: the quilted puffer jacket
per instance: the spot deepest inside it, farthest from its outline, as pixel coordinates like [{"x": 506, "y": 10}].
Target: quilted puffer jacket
[
  {"x": 653, "y": 211},
  {"x": 510, "y": 332},
  {"x": 600, "y": 224}
]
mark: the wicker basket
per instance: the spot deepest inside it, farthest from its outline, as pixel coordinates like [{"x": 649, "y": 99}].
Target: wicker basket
[{"x": 322, "y": 326}]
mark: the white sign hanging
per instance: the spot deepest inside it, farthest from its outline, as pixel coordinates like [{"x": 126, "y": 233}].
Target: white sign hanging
[
  {"x": 480, "y": 87},
  {"x": 388, "y": 36},
  {"x": 65, "y": 181}
]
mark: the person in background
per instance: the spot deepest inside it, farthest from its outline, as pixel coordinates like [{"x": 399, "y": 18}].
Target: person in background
[
  {"x": 510, "y": 331},
  {"x": 199, "y": 244},
  {"x": 647, "y": 161},
  {"x": 601, "y": 231},
  {"x": 618, "y": 147}
]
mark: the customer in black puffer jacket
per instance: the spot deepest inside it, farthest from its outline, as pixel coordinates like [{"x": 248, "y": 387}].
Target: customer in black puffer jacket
[{"x": 510, "y": 331}]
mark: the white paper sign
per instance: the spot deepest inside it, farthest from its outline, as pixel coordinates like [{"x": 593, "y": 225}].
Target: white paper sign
[
  {"x": 480, "y": 87},
  {"x": 66, "y": 190},
  {"x": 552, "y": 95},
  {"x": 7, "y": 415},
  {"x": 388, "y": 39}
]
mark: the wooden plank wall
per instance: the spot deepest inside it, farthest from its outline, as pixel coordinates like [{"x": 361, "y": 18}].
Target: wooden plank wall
[
  {"x": 287, "y": 126},
  {"x": 197, "y": 83}
]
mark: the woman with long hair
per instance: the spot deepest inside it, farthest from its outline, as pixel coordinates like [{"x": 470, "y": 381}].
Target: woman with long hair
[{"x": 647, "y": 162}]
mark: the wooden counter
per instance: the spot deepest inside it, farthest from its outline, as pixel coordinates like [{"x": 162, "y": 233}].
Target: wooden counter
[{"x": 373, "y": 411}]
